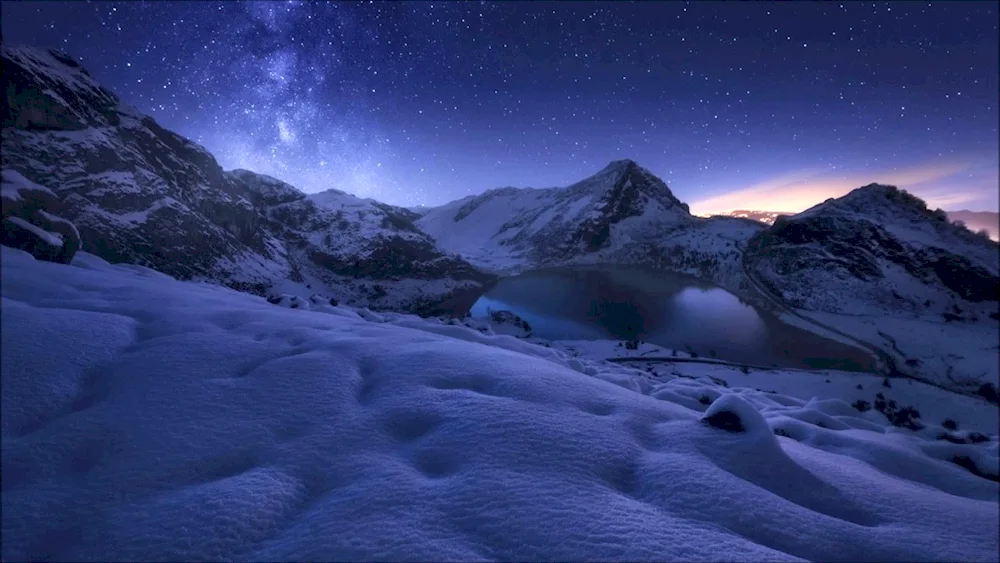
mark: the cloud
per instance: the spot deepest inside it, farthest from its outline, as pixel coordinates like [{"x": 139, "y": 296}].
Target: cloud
[{"x": 799, "y": 190}]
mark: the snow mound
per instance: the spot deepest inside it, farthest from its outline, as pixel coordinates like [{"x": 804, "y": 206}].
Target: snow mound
[
  {"x": 150, "y": 419},
  {"x": 733, "y": 414}
]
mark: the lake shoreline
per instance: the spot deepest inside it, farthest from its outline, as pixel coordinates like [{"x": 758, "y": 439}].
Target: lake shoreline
[{"x": 674, "y": 311}]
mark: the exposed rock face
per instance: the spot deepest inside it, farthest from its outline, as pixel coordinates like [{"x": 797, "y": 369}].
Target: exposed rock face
[
  {"x": 30, "y": 223},
  {"x": 631, "y": 189},
  {"x": 141, "y": 194},
  {"x": 874, "y": 246}
]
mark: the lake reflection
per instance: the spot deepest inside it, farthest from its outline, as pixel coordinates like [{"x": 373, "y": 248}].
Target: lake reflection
[{"x": 666, "y": 309}]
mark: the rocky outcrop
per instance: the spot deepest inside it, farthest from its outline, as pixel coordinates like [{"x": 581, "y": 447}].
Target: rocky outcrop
[
  {"x": 141, "y": 194},
  {"x": 30, "y": 223},
  {"x": 506, "y": 322}
]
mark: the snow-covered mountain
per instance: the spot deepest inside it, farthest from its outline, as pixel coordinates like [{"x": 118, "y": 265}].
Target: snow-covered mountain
[
  {"x": 141, "y": 194},
  {"x": 879, "y": 266},
  {"x": 621, "y": 215},
  {"x": 878, "y": 245}
]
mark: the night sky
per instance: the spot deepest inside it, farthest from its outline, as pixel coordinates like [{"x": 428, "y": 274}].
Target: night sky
[{"x": 736, "y": 105}]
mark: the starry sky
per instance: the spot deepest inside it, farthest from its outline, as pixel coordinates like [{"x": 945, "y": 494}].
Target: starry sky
[{"x": 757, "y": 105}]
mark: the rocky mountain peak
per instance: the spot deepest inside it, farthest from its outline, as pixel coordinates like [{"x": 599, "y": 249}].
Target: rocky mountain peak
[
  {"x": 876, "y": 200},
  {"x": 622, "y": 166},
  {"x": 139, "y": 193},
  {"x": 49, "y": 90}
]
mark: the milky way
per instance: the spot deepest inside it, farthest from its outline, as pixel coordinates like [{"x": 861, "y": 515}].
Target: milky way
[{"x": 735, "y": 105}]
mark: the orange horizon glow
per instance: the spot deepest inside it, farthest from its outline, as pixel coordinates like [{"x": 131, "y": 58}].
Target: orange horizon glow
[{"x": 937, "y": 184}]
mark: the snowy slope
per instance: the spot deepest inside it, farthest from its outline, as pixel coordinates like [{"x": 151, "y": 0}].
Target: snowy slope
[
  {"x": 141, "y": 194},
  {"x": 880, "y": 266},
  {"x": 623, "y": 214},
  {"x": 146, "y": 418}
]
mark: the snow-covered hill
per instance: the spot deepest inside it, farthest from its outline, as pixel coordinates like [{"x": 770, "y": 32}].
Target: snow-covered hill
[
  {"x": 145, "y": 418},
  {"x": 878, "y": 264},
  {"x": 622, "y": 214},
  {"x": 141, "y": 194}
]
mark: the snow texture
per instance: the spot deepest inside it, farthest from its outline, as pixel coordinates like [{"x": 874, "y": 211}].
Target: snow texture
[{"x": 150, "y": 419}]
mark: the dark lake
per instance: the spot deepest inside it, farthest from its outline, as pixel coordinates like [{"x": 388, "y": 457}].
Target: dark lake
[{"x": 669, "y": 310}]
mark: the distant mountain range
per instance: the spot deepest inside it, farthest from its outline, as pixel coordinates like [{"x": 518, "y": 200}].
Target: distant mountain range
[
  {"x": 138, "y": 193},
  {"x": 973, "y": 220}
]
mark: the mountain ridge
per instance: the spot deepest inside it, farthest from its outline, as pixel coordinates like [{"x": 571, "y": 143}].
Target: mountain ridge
[
  {"x": 141, "y": 194},
  {"x": 976, "y": 221},
  {"x": 622, "y": 213}
]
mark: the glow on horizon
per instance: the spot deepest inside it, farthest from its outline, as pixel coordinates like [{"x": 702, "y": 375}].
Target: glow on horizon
[{"x": 946, "y": 185}]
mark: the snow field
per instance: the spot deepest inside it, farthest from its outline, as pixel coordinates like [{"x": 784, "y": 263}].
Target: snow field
[{"x": 145, "y": 418}]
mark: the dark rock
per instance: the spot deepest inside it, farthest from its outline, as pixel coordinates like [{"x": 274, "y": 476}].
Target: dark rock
[
  {"x": 725, "y": 420},
  {"x": 954, "y": 439},
  {"x": 988, "y": 391},
  {"x": 977, "y": 438},
  {"x": 510, "y": 319},
  {"x": 861, "y": 406},
  {"x": 969, "y": 465},
  {"x": 67, "y": 231},
  {"x": 30, "y": 223},
  {"x": 20, "y": 234}
]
